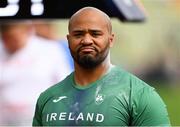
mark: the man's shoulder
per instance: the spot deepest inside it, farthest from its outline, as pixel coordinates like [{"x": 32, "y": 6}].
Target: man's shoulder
[
  {"x": 130, "y": 78},
  {"x": 56, "y": 89},
  {"x": 131, "y": 85}
]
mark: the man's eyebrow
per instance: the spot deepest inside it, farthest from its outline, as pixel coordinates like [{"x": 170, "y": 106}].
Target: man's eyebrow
[
  {"x": 77, "y": 31},
  {"x": 95, "y": 30},
  {"x": 90, "y": 30},
  {"x": 99, "y": 31}
]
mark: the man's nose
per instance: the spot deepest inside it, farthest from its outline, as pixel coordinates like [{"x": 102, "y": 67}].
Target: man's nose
[{"x": 87, "y": 39}]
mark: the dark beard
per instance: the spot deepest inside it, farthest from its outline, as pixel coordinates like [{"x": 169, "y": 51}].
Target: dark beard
[{"x": 88, "y": 61}]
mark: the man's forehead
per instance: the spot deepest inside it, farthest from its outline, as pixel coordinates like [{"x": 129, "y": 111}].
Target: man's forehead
[
  {"x": 90, "y": 26},
  {"x": 90, "y": 16}
]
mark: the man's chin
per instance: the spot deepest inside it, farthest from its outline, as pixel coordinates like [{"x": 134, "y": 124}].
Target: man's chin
[
  {"x": 88, "y": 66},
  {"x": 87, "y": 62}
]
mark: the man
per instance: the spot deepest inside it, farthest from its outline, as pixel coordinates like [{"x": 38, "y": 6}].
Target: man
[
  {"x": 98, "y": 93},
  {"x": 28, "y": 66}
]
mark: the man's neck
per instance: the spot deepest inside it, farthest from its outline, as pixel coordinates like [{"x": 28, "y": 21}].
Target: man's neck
[{"x": 84, "y": 77}]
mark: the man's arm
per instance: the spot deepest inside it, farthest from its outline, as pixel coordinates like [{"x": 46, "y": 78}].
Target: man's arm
[
  {"x": 148, "y": 109},
  {"x": 37, "y": 116}
]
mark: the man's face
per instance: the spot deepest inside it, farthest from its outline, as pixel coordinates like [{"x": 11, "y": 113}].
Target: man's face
[{"x": 89, "y": 41}]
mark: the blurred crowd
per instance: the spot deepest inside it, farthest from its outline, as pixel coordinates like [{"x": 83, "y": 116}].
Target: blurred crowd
[{"x": 32, "y": 58}]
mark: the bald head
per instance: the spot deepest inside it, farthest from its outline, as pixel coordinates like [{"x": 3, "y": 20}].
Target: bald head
[{"x": 89, "y": 13}]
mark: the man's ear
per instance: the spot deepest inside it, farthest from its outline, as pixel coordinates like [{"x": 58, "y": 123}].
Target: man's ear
[
  {"x": 67, "y": 36},
  {"x": 111, "y": 40}
]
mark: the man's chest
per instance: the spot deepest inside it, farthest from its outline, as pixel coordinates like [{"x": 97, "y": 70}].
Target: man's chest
[{"x": 95, "y": 108}]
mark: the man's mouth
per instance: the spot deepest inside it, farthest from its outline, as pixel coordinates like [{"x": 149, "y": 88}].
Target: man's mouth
[{"x": 87, "y": 49}]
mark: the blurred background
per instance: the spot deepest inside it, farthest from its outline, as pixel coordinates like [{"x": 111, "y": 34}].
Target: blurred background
[{"x": 150, "y": 49}]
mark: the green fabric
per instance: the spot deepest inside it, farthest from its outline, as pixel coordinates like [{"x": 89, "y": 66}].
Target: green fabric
[{"x": 118, "y": 98}]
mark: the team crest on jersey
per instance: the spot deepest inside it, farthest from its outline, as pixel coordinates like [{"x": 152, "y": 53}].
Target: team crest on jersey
[{"x": 99, "y": 98}]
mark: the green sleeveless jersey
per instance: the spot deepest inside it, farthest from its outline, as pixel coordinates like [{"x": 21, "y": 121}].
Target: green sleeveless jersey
[{"x": 118, "y": 98}]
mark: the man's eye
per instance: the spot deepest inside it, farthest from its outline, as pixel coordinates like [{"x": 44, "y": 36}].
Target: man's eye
[
  {"x": 78, "y": 35},
  {"x": 96, "y": 34}
]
